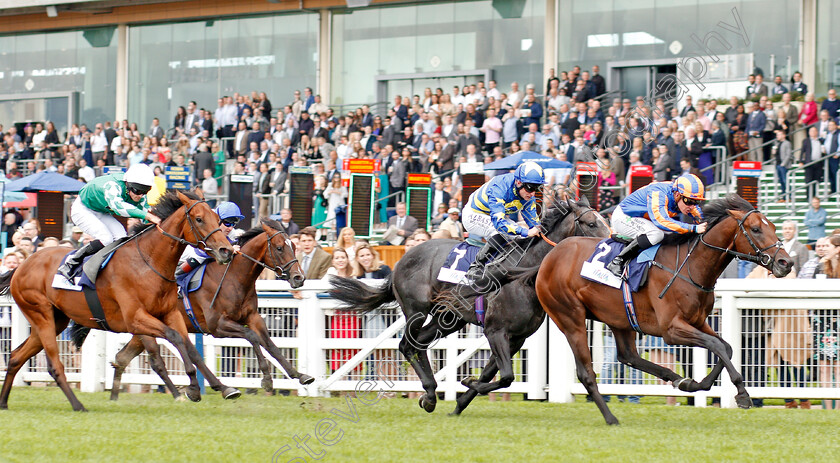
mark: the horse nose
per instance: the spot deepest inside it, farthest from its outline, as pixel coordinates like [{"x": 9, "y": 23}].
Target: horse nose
[
  {"x": 297, "y": 281},
  {"x": 226, "y": 254},
  {"x": 786, "y": 263}
]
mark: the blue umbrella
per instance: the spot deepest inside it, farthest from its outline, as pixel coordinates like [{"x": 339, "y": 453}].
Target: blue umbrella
[
  {"x": 11, "y": 196},
  {"x": 511, "y": 162},
  {"x": 45, "y": 181}
]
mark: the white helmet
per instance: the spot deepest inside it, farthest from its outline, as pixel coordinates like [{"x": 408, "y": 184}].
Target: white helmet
[{"x": 139, "y": 178}]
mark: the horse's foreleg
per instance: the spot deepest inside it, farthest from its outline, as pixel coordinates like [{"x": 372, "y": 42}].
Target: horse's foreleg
[
  {"x": 227, "y": 328},
  {"x": 157, "y": 364},
  {"x": 681, "y": 332},
  {"x": 627, "y": 354},
  {"x": 46, "y": 327},
  {"x": 256, "y": 324},
  {"x": 131, "y": 350},
  {"x": 500, "y": 346},
  {"x": 31, "y": 346},
  {"x": 198, "y": 361}
]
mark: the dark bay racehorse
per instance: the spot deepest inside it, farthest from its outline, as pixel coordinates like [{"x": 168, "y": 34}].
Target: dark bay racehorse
[
  {"x": 679, "y": 316},
  {"x": 136, "y": 296},
  {"x": 226, "y": 304},
  {"x": 415, "y": 286}
]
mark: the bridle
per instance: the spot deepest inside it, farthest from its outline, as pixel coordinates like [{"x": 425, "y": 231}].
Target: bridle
[
  {"x": 577, "y": 226},
  {"x": 760, "y": 257},
  {"x": 283, "y": 271}
]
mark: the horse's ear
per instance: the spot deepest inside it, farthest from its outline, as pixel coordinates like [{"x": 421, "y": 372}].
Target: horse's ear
[
  {"x": 185, "y": 199},
  {"x": 570, "y": 203},
  {"x": 584, "y": 201},
  {"x": 739, "y": 215},
  {"x": 199, "y": 193},
  {"x": 265, "y": 227}
]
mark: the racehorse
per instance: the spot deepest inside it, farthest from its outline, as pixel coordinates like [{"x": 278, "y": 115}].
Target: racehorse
[
  {"x": 228, "y": 308},
  {"x": 675, "y": 302},
  {"x": 415, "y": 286},
  {"x": 135, "y": 292}
]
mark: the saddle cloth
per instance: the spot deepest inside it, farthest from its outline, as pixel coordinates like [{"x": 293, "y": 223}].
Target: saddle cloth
[
  {"x": 81, "y": 277},
  {"x": 191, "y": 281},
  {"x": 454, "y": 270},
  {"x": 594, "y": 269}
]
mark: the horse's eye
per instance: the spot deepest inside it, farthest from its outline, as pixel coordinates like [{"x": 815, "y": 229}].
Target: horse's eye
[
  {"x": 198, "y": 220},
  {"x": 756, "y": 229},
  {"x": 593, "y": 225}
]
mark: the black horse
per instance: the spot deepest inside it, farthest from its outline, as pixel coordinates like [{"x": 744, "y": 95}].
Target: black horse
[{"x": 513, "y": 313}]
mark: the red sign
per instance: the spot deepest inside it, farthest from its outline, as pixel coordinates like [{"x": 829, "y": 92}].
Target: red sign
[
  {"x": 639, "y": 176},
  {"x": 746, "y": 165},
  {"x": 361, "y": 166},
  {"x": 420, "y": 179}
]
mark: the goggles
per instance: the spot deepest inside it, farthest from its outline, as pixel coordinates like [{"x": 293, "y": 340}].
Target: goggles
[
  {"x": 531, "y": 187},
  {"x": 230, "y": 222}
]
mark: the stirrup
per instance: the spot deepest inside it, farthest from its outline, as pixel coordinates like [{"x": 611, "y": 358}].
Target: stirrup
[{"x": 617, "y": 268}]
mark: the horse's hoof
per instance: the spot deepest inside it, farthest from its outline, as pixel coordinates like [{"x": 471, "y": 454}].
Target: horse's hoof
[
  {"x": 267, "y": 384},
  {"x": 468, "y": 380},
  {"x": 306, "y": 379},
  {"x": 114, "y": 397},
  {"x": 193, "y": 394},
  {"x": 743, "y": 401},
  {"x": 612, "y": 421},
  {"x": 81, "y": 409},
  {"x": 4, "y": 406},
  {"x": 456, "y": 412},
  {"x": 231, "y": 393},
  {"x": 180, "y": 398},
  {"x": 427, "y": 404}
]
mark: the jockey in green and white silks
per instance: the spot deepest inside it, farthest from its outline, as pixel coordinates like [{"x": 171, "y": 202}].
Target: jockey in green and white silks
[
  {"x": 100, "y": 200},
  {"x": 485, "y": 215}
]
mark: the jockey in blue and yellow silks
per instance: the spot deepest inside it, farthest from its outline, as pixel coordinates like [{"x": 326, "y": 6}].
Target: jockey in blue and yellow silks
[
  {"x": 649, "y": 212},
  {"x": 485, "y": 215}
]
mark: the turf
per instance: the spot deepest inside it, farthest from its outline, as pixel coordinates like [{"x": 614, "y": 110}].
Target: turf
[{"x": 39, "y": 426}]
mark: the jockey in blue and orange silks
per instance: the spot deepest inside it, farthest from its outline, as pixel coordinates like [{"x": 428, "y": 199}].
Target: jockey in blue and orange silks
[{"x": 648, "y": 213}]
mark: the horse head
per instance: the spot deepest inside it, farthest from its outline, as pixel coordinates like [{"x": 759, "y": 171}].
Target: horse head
[
  {"x": 280, "y": 254},
  {"x": 201, "y": 228},
  {"x": 574, "y": 218},
  {"x": 756, "y": 237}
]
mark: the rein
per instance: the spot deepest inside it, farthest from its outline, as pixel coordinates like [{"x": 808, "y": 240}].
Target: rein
[{"x": 282, "y": 272}]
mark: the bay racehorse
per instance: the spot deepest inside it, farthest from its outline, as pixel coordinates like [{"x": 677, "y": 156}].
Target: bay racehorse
[
  {"x": 675, "y": 302},
  {"x": 135, "y": 291},
  {"x": 226, "y": 304},
  {"x": 415, "y": 286}
]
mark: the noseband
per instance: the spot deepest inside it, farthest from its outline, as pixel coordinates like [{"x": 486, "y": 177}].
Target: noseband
[
  {"x": 283, "y": 271},
  {"x": 202, "y": 241},
  {"x": 760, "y": 257}
]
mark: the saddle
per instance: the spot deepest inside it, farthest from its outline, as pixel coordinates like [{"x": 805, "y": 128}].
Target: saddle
[
  {"x": 95, "y": 263},
  {"x": 636, "y": 270}
]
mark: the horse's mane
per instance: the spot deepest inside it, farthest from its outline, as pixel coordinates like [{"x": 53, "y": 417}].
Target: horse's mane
[
  {"x": 250, "y": 234},
  {"x": 713, "y": 212},
  {"x": 167, "y": 204},
  {"x": 555, "y": 215}
]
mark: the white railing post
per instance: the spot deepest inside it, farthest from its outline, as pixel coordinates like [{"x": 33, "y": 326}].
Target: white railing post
[
  {"x": 20, "y": 331},
  {"x": 450, "y": 382},
  {"x": 730, "y": 330},
  {"x": 699, "y": 367},
  {"x": 538, "y": 362},
  {"x": 561, "y": 367},
  {"x": 310, "y": 332},
  {"x": 93, "y": 362}
]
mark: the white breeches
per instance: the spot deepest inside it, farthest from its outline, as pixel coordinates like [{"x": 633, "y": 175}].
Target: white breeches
[
  {"x": 632, "y": 227},
  {"x": 102, "y": 227}
]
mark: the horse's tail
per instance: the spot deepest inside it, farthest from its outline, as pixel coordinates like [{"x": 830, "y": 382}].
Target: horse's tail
[
  {"x": 6, "y": 281},
  {"x": 359, "y": 297},
  {"x": 78, "y": 334}
]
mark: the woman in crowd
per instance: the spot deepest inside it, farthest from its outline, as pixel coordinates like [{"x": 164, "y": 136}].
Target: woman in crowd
[
  {"x": 368, "y": 265},
  {"x": 661, "y": 166},
  {"x": 740, "y": 141},
  {"x": 336, "y": 195},
  {"x": 319, "y": 202},
  {"x": 826, "y": 326},
  {"x": 606, "y": 177},
  {"x": 180, "y": 118},
  {"x": 52, "y": 135},
  {"x": 810, "y": 112},
  {"x": 347, "y": 241},
  {"x": 343, "y": 323}
]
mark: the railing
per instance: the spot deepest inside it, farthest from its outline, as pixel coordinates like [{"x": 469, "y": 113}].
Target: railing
[{"x": 758, "y": 318}]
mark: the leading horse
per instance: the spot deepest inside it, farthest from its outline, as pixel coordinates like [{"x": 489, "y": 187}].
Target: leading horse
[
  {"x": 415, "y": 286},
  {"x": 134, "y": 291},
  {"x": 226, "y": 305},
  {"x": 675, "y": 302}
]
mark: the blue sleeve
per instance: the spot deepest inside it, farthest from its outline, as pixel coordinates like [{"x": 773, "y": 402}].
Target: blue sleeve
[
  {"x": 536, "y": 110},
  {"x": 496, "y": 203},
  {"x": 529, "y": 214}
]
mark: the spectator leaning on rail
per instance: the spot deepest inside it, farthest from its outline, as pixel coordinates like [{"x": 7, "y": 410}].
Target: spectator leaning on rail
[
  {"x": 98, "y": 201},
  {"x": 648, "y": 213}
]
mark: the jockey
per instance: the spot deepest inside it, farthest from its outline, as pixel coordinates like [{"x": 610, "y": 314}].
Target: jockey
[
  {"x": 488, "y": 207},
  {"x": 229, "y": 215},
  {"x": 118, "y": 194},
  {"x": 649, "y": 212}
]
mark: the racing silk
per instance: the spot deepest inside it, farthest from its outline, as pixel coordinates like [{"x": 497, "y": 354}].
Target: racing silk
[
  {"x": 107, "y": 194},
  {"x": 195, "y": 256},
  {"x": 656, "y": 203},
  {"x": 498, "y": 198}
]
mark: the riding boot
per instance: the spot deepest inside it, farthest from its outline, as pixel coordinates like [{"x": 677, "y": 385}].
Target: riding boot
[
  {"x": 486, "y": 255},
  {"x": 68, "y": 268},
  {"x": 628, "y": 253}
]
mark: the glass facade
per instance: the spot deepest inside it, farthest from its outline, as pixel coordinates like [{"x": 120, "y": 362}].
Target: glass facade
[
  {"x": 828, "y": 47},
  {"x": 436, "y": 37},
  {"x": 591, "y": 33},
  {"x": 172, "y": 64},
  {"x": 82, "y": 61}
]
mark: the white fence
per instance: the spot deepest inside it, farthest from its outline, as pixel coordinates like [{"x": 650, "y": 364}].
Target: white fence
[{"x": 781, "y": 331}]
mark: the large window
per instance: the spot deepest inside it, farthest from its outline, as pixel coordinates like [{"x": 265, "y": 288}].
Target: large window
[
  {"x": 597, "y": 32},
  {"x": 82, "y": 61},
  {"x": 828, "y": 47},
  {"x": 436, "y": 37},
  {"x": 172, "y": 64}
]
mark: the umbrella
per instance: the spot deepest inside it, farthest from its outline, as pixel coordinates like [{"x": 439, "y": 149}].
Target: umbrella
[
  {"x": 45, "y": 181},
  {"x": 12, "y": 196},
  {"x": 511, "y": 162},
  {"x": 16, "y": 199}
]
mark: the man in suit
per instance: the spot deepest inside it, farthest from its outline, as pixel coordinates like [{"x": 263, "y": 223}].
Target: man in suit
[
  {"x": 688, "y": 107},
  {"x": 798, "y": 85},
  {"x": 756, "y": 122},
  {"x": 256, "y": 135},
  {"x": 285, "y": 219},
  {"x": 391, "y": 132},
  {"x": 832, "y": 104},
  {"x": 446, "y": 159},
  {"x": 796, "y": 250},
  {"x": 783, "y": 152},
  {"x": 759, "y": 88},
  {"x": 278, "y": 178},
  {"x": 240, "y": 141},
  {"x": 598, "y": 81},
  {"x": 811, "y": 151},
  {"x": 193, "y": 119},
  {"x": 264, "y": 188},
  {"x": 830, "y": 148},
  {"x": 400, "y": 109},
  {"x": 404, "y": 224},
  {"x": 155, "y": 130},
  {"x": 367, "y": 117},
  {"x": 778, "y": 88},
  {"x": 314, "y": 260}
]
